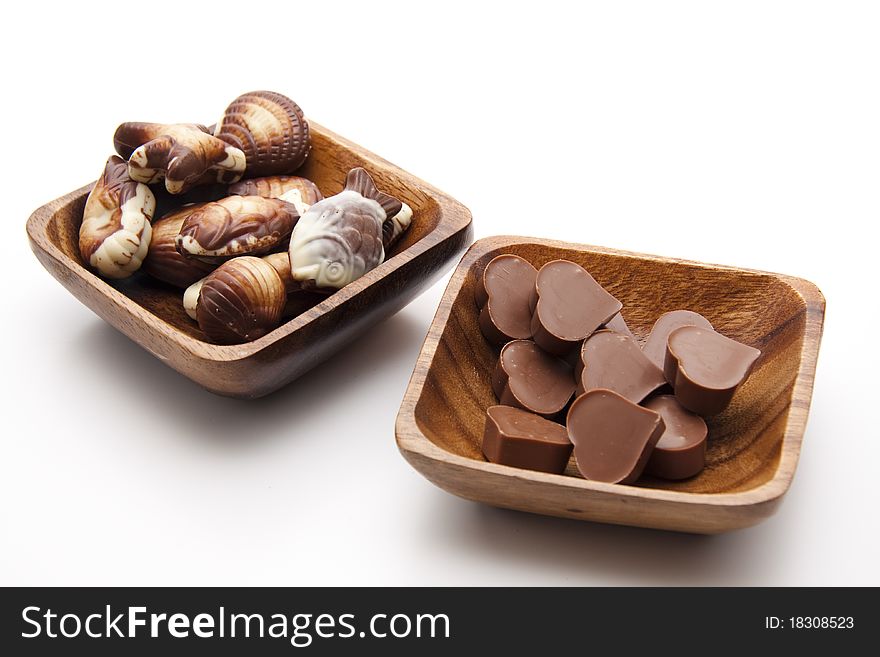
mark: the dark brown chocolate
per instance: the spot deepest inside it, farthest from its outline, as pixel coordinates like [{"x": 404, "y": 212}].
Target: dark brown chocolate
[
  {"x": 612, "y": 436},
  {"x": 571, "y": 306},
  {"x": 526, "y": 377},
  {"x": 614, "y": 361},
  {"x": 681, "y": 451},
  {"x": 655, "y": 345},
  {"x": 524, "y": 440},
  {"x": 706, "y": 368},
  {"x": 506, "y": 295}
]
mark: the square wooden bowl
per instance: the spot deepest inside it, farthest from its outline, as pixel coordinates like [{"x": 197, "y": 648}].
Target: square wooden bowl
[
  {"x": 753, "y": 446},
  {"x": 151, "y": 314}
]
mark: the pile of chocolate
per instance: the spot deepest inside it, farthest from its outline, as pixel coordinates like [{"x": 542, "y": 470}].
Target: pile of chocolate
[
  {"x": 249, "y": 242},
  {"x": 636, "y": 408}
]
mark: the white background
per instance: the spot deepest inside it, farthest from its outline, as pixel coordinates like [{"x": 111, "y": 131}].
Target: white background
[{"x": 742, "y": 133}]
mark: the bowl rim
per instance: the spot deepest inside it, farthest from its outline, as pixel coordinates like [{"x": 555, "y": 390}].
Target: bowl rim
[
  {"x": 453, "y": 217},
  {"x": 411, "y": 441}
]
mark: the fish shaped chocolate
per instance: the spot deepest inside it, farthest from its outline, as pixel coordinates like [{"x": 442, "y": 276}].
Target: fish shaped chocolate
[{"x": 342, "y": 237}]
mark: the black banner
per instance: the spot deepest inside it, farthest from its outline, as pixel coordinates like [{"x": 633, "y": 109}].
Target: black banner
[{"x": 279, "y": 621}]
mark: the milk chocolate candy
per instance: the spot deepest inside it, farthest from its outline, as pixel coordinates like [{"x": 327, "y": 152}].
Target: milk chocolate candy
[
  {"x": 524, "y": 440},
  {"x": 681, "y": 451},
  {"x": 615, "y": 362},
  {"x": 655, "y": 345},
  {"x": 571, "y": 306},
  {"x": 619, "y": 325},
  {"x": 506, "y": 294},
  {"x": 612, "y": 436},
  {"x": 705, "y": 368},
  {"x": 526, "y": 377}
]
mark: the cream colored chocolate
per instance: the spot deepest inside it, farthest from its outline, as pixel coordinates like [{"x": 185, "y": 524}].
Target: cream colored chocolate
[
  {"x": 240, "y": 301},
  {"x": 191, "y": 298},
  {"x": 340, "y": 238},
  {"x": 281, "y": 263},
  {"x": 163, "y": 261},
  {"x": 235, "y": 226},
  {"x": 181, "y": 154},
  {"x": 115, "y": 232},
  {"x": 396, "y": 226},
  {"x": 295, "y": 198},
  {"x": 269, "y": 129}
]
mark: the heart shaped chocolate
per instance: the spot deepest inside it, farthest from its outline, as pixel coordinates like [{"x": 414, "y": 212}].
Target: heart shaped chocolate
[
  {"x": 681, "y": 451},
  {"x": 571, "y": 306},
  {"x": 655, "y": 345},
  {"x": 506, "y": 295},
  {"x": 705, "y": 368},
  {"x": 612, "y": 436},
  {"x": 614, "y": 361},
  {"x": 526, "y": 377},
  {"x": 619, "y": 325},
  {"x": 524, "y": 440}
]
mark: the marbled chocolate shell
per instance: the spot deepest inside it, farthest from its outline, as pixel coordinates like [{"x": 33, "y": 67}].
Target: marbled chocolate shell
[
  {"x": 163, "y": 260},
  {"x": 270, "y": 129},
  {"x": 115, "y": 232},
  {"x": 302, "y": 192},
  {"x": 240, "y": 301},
  {"x": 236, "y": 226}
]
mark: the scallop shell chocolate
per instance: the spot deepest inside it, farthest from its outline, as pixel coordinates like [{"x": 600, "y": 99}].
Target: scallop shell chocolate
[
  {"x": 302, "y": 192},
  {"x": 240, "y": 301},
  {"x": 271, "y": 131}
]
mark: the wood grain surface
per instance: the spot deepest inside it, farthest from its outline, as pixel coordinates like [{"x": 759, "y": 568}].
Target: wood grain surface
[
  {"x": 151, "y": 314},
  {"x": 753, "y": 446}
]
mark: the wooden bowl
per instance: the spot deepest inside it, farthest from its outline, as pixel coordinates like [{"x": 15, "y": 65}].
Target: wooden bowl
[
  {"x": 151, "y": 314},
  {"x": 753, "y": 446}
]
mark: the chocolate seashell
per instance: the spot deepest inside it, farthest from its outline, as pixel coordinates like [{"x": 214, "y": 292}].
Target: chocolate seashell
[
  {"x": 240, "y": 301},
  {"x": 270, "y": 129},
  {"x": 302, "y": 192},
  {"x": 281, "y": 263},
  {"x": 115, "y": 232},
  {"x": 163, "y": 261},
  {"x": 235, "y": 226}
]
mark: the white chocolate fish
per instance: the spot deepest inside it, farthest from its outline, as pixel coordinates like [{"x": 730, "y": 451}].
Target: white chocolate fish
[{"x": 342, "y": 237}]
